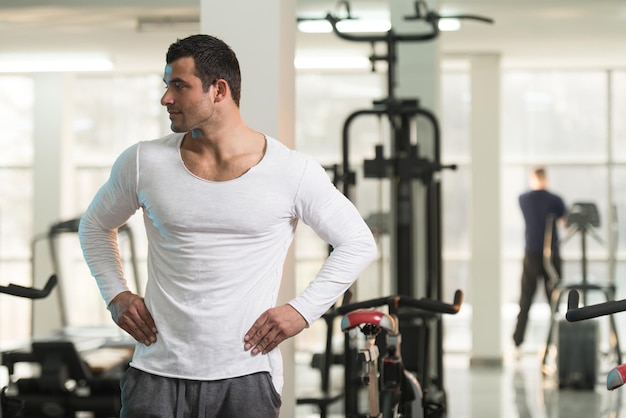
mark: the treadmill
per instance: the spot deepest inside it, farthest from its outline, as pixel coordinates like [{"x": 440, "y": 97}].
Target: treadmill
[{"x": 78, "y": 368}]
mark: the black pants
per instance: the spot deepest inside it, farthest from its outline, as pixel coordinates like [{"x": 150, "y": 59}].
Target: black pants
[{"x": 533, "y": 271}]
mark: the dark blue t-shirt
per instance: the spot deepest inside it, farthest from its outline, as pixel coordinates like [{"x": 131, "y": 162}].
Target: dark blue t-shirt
[{"x": 536, "y": 205}]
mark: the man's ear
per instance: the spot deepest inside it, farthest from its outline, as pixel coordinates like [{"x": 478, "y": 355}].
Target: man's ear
[{"x": 222, "y": 90}]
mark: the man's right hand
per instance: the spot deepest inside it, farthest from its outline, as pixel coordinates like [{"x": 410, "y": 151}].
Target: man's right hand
[{"x": 130, "y": 313}]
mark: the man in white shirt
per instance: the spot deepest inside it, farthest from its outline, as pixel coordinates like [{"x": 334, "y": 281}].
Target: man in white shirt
[{"x": 220, "y": 202}]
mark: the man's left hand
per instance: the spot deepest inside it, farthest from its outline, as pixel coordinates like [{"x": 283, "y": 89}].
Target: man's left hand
[{"x": 273, "y": 327}]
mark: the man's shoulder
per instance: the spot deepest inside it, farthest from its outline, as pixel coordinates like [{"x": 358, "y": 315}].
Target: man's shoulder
[
  {"x": 155, "y": 146},
  {"x": 553, "y": 196},
  {"x": 172, "y": 139},
  {"x": 530, "y": 195},
  {"x": 299, "y": 164},
  {"x": 279, "y": 149},
  {"x": 541, "y": 197},
  {"x": 539, "y": 194}
]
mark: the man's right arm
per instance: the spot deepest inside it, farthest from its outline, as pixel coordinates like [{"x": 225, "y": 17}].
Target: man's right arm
[{"x": 113, "y": 205}]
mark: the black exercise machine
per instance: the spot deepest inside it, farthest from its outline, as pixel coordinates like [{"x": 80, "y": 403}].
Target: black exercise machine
[
  {"x": 581, "y": 219},
  {"x": 70, "y": 227},
  {"x": 423, "y": 334},
  {"x": 11, "y": 407},
  {"x": 617, "y": 376},
  {"x": 66, "y": 383},
  {"x": 79, "y": 371}
]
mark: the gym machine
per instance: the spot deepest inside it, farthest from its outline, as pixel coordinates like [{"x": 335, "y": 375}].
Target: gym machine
[
  {"x": 422, "y": 331},
  {"x": 581, "y": 219},
  {"x": 617, "y": 376},
  {"x": 13, "y": 407},
  {"x": 76, "y": 370},
  {"x": 70, "y": 227}
]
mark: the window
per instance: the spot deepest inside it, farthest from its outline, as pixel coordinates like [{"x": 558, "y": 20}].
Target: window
[
  {"x": 16, "y": 191},
  {"x": 559, "y": 116},
  {"x": 116, "y": 112},
  {"x": 559, "y": 119}
]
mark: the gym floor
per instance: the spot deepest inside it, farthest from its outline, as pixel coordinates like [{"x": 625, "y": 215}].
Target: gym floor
[{"x": 516, "y": 389}]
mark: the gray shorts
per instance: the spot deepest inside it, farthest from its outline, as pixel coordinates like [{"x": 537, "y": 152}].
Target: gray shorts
[{"x": 145, "y": 395}]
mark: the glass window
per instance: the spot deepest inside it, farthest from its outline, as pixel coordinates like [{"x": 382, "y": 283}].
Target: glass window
[
  {"x": 557, "y": 119},
  {"x": 16, "y": 118},
  {"x": 582, "y": 183},
  {"x": 455, "y": 116},
  {"x": 554, "y": 115},
  {"x": 618, "y": 177},
  {"x": 110, "y": 114},
  {"x": 455, "y": 196},
  {"x": 618, "y": 122},
  {"x": 455, "y": 189},
  {"x": 320, "y": 118},
  {"x": 113, "y": 112},
  {"x": 322, "y": 112},
  {"x": 16, "y": 189},
  {"x": 16, "y": 192},
  {"x": 574, "y": 183}
]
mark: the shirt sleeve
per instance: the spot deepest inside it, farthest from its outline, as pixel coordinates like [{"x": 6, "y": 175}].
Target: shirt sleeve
[
  {"x": 113, "y": 205},
  {"x": 337, "y": 221}
]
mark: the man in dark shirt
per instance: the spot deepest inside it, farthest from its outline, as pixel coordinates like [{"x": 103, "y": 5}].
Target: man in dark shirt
[{"x": 539, "y": 206}]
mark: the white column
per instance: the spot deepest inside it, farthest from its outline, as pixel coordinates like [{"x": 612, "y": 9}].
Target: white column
[
  {"x": 262, "y": 34},
  {"x": 485, "y": 207},
  {"x": 51, "y": 175}
]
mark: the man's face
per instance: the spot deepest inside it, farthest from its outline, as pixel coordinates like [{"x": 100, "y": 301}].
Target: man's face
[{"x": 188, "y": 105}]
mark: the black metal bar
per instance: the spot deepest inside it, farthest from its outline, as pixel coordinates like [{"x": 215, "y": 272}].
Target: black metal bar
[
  {"x": 346, "y": 172},
  {"x": 574, "y": 313},
  {"x": 30, "y": 292},
  {"x": 395, "y": 302}
]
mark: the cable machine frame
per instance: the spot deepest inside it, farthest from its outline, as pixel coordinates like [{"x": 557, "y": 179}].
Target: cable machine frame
[{"x": 403, "y": 167}]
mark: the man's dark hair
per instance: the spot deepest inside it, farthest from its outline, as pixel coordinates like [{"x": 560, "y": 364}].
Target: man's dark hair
[{"x": 213, "y": 58}]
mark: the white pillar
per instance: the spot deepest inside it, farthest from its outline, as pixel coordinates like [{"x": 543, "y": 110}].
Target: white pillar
[
  {"x": 262, "y": 34},
  {"x": 51, "y": 172},
  {"x": 485, "y": 207}
]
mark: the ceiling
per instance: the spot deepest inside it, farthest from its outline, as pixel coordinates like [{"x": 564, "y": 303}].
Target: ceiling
[{"x": 529, "y": 33}]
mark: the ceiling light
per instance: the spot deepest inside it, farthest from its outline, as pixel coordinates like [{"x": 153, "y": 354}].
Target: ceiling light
[
  {"x": 344, "y": 26},
  {"x": 329, "y": 63},
  {"x": 315, "y": 26},
  {"x": 49, "y": 62},
  {"x": 448, "y": 24}
]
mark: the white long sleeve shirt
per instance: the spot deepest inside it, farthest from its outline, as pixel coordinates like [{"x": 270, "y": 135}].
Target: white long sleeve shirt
[{"x": 216, "y": 252}]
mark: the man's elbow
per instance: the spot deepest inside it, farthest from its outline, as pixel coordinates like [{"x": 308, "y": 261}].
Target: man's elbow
[{"x": 370, "y": 250}]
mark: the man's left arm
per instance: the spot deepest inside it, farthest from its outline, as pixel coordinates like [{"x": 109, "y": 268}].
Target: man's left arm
[{"x": 337, "y": 221}]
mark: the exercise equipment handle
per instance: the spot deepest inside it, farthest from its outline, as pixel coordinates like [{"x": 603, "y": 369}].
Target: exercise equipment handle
[
  {"x": 30, "y": 292},
  {"x": 421, "y": 13},
  {"x": 574, "y": 313},
  {"x": 395, "y": 302},
  {"x": 434, "y": 305},
  {"x": 431, "y": 19}
]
